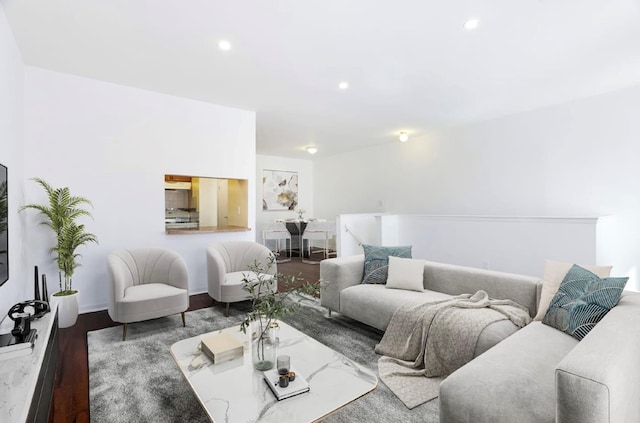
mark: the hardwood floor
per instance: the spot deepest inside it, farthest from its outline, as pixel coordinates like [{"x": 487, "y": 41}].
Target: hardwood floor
[{"x": 71, "y": 386}]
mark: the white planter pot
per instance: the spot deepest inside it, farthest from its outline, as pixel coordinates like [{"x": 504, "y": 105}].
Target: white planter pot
[{"x": 67, "y": 309}]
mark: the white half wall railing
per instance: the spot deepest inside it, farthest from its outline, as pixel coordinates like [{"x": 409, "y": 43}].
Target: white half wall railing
[
  {"x": 346, "y": 229},
  {"x": 505, "y": 243},
  {"x": 354, "y": 230}
]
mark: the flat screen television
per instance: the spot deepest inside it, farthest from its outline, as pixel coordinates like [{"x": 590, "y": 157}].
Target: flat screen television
[{"x": 4, "y": 227}]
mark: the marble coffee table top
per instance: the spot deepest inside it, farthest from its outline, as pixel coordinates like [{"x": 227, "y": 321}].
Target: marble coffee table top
[{"x": 235, "y": 392}]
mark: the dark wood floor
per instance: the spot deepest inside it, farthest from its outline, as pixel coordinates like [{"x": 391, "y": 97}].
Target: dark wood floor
[{"x": 71, "y": 387}]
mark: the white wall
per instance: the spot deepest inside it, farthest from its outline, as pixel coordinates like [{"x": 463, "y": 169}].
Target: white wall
[
  {"x": 508, "y": 244},
  {"x": 19, "y": 287},
  {"x": 305, "y": 189},
  {"x": 575, "y": 159},
  {"x": 113, "y": 144}
]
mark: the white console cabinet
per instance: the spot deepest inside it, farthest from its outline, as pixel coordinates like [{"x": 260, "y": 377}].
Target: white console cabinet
[{"x": 26, "y": 383}]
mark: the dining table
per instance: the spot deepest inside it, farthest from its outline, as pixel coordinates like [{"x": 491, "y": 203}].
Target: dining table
[{"x": 296, "y": 229}]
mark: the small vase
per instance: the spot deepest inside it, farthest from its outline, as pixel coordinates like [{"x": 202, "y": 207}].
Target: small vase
[{"x": 263, "y": 344}]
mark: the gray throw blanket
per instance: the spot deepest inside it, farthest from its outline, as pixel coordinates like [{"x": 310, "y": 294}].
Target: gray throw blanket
[{"x": 435, "y": 339}]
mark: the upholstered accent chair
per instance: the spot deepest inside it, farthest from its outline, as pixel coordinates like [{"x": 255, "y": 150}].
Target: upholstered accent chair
[
  {"x": 145, "y": 284},
  {"x": 228, "y": 263}
]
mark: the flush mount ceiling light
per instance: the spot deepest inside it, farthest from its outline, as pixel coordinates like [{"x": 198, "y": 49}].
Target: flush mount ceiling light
[
  {"x": 471, "y": 24},
  {"x": 224, "y": 45},
  {"x": 343, "y": 85},
  {"x": 312, "y": 150},
  {"x": 404, "y": 137}
]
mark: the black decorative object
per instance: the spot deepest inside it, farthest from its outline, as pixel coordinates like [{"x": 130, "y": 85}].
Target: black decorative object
[
  {"x": 36, "y": 286},
  {"x": 4, "y": 226},
  {"x": 45, "y": 291},
  {"x": 284, "y": 381}
]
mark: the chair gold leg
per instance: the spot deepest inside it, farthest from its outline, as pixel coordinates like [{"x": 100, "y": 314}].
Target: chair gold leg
[
  {"x": 184, "y": 324},
  {"x": 226, "y": 313},
  {"x": 124, "y": 331}
]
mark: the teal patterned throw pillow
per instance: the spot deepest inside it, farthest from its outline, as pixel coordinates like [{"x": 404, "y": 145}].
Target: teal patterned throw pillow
[
  {"x": 582, "y": 300},
  {"x": 376, "y": 261}
]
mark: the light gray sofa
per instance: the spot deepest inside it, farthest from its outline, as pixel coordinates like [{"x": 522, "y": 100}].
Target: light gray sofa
[
  {"x": 375, "y": 304},
  {"x": 537, "y": 374},
  {"x": 541, "y": 374}
]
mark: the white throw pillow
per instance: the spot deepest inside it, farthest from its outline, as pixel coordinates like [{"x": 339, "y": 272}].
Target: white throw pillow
[
  {"x": 554, "y": 273},
  {"x": 405, "y": 273}
]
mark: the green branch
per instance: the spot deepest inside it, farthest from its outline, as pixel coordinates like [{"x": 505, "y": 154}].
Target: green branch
[{"x": 270, "y": 305}]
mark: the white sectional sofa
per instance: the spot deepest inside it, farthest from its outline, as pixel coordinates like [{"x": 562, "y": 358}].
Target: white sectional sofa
[
  {"x": 535, "y": 375},
  {"x": 374, "y": 304}
]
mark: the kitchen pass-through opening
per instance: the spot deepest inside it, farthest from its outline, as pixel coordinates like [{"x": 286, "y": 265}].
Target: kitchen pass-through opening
[{"x": 195, "y": 203}]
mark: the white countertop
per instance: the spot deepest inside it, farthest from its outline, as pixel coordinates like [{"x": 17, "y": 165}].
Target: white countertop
[{"x": 18, "y": 376}]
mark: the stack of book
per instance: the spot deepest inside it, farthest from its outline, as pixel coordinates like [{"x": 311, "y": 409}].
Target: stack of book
[
  {"x": 10, "y": 349},
  {"x": 221, "y": 347},
  {"x": 296, "y": 387}
]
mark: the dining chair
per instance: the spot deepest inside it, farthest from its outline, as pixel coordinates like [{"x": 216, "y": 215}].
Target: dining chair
[
  {"x": 318, "y": 230},
  {"x": 277, "y": 232}
]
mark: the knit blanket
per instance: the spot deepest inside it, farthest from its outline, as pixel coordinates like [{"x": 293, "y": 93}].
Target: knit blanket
[{"x": 434, "y": 339}]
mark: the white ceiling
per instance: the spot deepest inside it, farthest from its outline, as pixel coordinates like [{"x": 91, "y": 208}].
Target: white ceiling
[{"x": 410, "y": 64}]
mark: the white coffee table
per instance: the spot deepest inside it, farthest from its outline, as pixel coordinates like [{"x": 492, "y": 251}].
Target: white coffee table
[{"x": 235, "y": 392}]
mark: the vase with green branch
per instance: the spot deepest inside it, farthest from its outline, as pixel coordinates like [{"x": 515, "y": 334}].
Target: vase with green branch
[
  {"x": 268, "y": 305},
  {"x": 61, "y": 215}
]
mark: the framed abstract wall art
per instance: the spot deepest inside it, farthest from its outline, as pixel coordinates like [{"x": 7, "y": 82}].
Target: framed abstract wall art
[{"x": 279, "y": 190}]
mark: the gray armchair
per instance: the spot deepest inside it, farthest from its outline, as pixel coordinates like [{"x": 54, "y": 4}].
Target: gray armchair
[
  {"x": 146, "y": 284},
  {"x": 228, "y": 264}
]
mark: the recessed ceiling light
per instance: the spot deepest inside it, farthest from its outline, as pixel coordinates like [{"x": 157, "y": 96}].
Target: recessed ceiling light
[
  {"x": 404, "y": 137},
  {"x": 343, "y": 85},
  {"x": 224, "y": 45},
  {"x": 312, "y": 150},
  {"x": 471, "y": 24}
]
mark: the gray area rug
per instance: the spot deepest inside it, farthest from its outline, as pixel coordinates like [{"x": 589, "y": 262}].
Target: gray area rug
[{"x": 138, "y": 381}]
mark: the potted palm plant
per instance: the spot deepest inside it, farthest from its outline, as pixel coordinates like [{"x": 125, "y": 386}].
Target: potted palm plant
[
  {"x": 268, "y": 305},
  {"x": 61, "y": 216}
]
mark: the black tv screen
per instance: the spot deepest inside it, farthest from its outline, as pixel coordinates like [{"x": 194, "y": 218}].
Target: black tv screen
[{"x": 4, "y": 227}]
